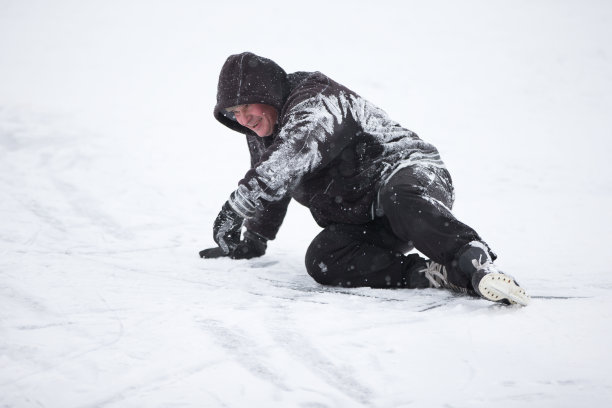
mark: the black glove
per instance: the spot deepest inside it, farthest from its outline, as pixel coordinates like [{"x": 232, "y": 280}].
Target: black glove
[
  {"x": 211, "y": 253},
  {"x": 252, "y": 246},
  {"x": 227, "y": 228}
]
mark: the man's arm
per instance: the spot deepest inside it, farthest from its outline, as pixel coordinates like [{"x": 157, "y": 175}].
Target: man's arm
[
  {"x": 310, "y": 137},
  {"x": 260, "y": 228},
  {"x": 268, "y": 221}
]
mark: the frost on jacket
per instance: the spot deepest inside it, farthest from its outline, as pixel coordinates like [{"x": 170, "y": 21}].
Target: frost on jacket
[{"x": 331, "y": 151}]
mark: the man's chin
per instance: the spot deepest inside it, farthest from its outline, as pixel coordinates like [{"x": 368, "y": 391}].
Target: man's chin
[{"x": 263, "y": 134}]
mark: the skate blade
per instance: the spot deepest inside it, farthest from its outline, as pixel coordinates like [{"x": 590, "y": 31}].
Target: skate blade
[{"x": 497, "y": 286}]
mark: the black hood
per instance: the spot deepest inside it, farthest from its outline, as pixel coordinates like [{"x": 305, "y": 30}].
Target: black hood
[{"x": 248, "y": 78}]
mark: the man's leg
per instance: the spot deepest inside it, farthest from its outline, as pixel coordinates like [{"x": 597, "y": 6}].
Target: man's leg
[
  {"x": 416, "y": 201},
  {"x": 363, "y": 255}
]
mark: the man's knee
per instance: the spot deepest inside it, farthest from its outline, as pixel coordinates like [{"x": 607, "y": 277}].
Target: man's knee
[
  {"x": 332, "y": 255},
  {"x": 319, "y": 255},
  {"x": 353, "y": 255}
]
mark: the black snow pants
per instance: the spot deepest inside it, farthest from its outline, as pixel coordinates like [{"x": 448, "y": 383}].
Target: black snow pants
[{"x": 413, "y": 211}]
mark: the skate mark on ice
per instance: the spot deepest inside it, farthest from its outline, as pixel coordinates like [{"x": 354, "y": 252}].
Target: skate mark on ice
[
  {"x": 243, "y": 350},
  {"x": 446, "y": 298},
  {"x": 561, "y": 297},
  {"x": 20, "y": 298},
  {"x": 65, "y": 358},
  {"x": 27, "y": 327},
  {"x": 315, "y": 288},
  {"x": 290, "y": 298},
  {"x": 449, "y": 300},
  {"x": 87, "y": 208},
  {"x": 340, "y": 378},
  {"x": 43, "y": 214},
  {"x": 432, "y": 306},
  {"x": 117, "y": 251},
  {"x": 262, "y": 264},
  {"x": 152, "y": 384}
]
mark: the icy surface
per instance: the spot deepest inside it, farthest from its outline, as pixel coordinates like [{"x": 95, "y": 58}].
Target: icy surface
[{"x": 112, "y": 169}]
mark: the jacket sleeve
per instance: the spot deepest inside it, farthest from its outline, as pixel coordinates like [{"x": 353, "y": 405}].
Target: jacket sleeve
[
  {"x": 309, "y": 138},
  {"x": 267, "y": 220}
]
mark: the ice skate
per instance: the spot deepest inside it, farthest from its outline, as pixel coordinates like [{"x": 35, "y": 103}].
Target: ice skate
[
  {"x": 496, "y": 286},
  {"x": 475, "y": 261}
]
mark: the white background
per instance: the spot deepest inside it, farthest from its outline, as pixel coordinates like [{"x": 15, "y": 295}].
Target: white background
[{"x": 112, "y": 169}]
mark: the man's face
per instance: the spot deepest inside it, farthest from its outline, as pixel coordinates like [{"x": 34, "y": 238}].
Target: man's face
[{"x": 258, "y": 117}]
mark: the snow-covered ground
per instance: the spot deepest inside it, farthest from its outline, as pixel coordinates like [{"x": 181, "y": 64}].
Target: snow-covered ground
[{"x": 112, "y": 169}]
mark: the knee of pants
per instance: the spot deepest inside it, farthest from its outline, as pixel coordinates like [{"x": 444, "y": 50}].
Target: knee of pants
[
  {"x": 331, "y": 254},
  {"x": 318, "y": 265},
  {"x": 337, "y": 257}
]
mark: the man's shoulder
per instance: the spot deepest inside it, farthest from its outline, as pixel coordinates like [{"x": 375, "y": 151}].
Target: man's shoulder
[
  {"x": 295, "y": 79},
  {"x": 312, "y": 85},
  {"x": 303, "y": 82}
]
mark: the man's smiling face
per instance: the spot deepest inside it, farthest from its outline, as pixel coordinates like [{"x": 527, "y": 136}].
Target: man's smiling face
[{"x": 258, "y": 117}]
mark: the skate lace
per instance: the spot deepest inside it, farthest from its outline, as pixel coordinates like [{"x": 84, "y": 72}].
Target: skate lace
[
  {"x": 482, "y": 266},
  {"x": 435, "y": 274}
]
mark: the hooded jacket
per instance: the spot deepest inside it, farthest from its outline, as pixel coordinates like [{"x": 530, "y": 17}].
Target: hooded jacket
[{"x": 331, "y": 150}]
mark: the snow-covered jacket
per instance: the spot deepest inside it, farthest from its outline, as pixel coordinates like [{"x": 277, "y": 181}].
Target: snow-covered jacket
[{"x": 331, "y": 150}]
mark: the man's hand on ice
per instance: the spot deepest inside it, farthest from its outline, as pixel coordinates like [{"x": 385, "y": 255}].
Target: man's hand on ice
[
  {"x": 211, "y": 253},
  {"x": 252, "y": 246},
  {"x": 226, "y": 228}
]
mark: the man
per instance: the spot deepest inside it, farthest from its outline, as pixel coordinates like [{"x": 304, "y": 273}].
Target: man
[{"x": 376, "y": 188}]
